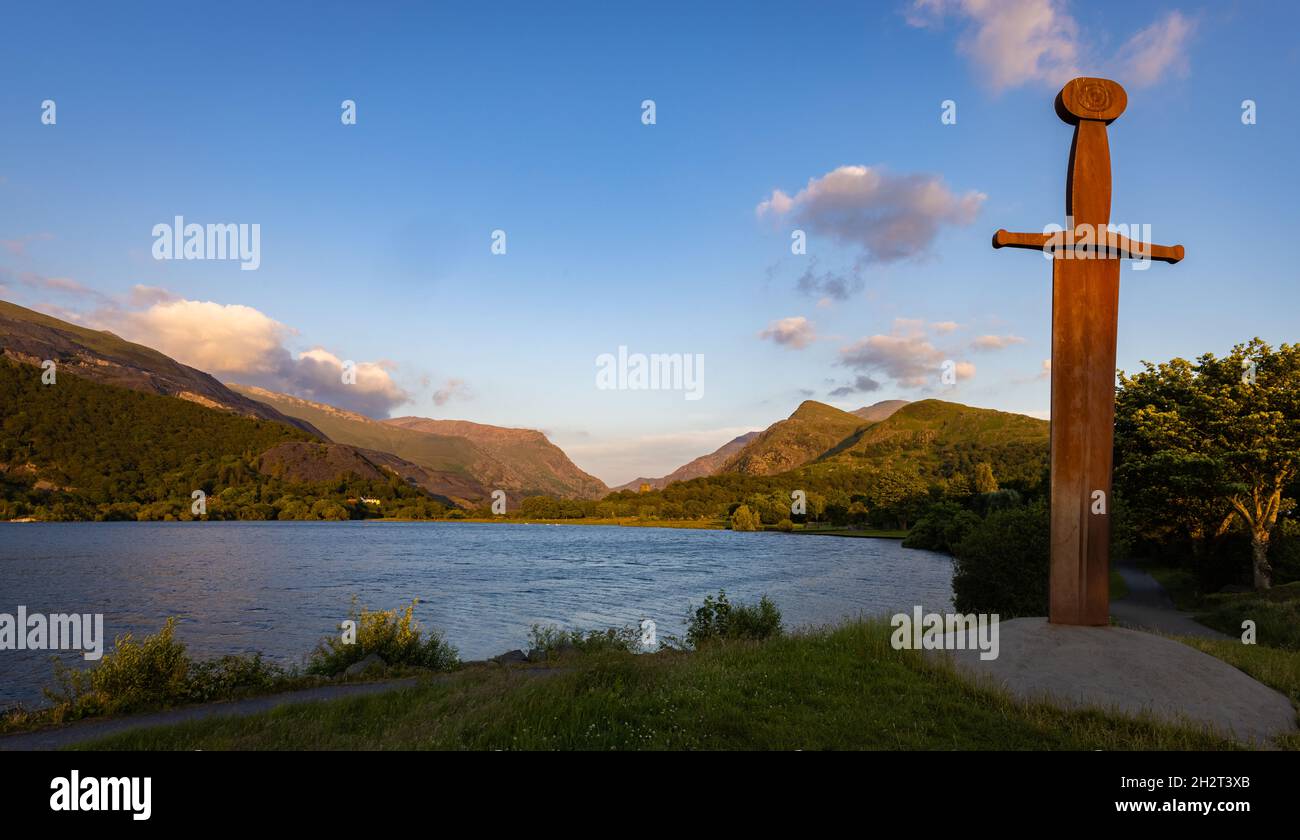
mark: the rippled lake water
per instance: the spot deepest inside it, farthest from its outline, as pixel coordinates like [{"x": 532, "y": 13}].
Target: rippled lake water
[{"x": 278, "y": 587}]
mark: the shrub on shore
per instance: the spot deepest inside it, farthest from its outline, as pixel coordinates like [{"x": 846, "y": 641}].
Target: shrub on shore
[
  {"x": 1002, "y": 564},
  {"x": 744, "y": 519},
  {"x": 720, "y": 619},
  {"x": 154, "y": 672},
  {"x": 553, "y": 640},
  {"x": 941, "y": 527},
  {"x": 396, "y": 638}
]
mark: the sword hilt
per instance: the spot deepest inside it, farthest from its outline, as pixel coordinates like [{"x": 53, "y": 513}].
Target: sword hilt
[{"x": 1113, "y": 246}]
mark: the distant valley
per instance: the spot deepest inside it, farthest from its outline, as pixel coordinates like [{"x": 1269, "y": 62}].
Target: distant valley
[{"x": 70, "y": 452}]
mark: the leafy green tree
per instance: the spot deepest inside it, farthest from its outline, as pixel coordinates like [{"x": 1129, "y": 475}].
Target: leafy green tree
[
  {"x": 901, "y": 492},
  {"x": 984, "y": 480},
  {"x": 1002, "y": 563},
  {"x": 744, "y": 519},
  {"x": 1201, "y": 444}
]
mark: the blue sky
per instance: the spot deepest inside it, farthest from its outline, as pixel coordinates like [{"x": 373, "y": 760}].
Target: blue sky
[{"x": 375, "y": 237}]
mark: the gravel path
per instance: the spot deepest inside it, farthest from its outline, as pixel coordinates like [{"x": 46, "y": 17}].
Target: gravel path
[{"x": 1148, "y": 607}]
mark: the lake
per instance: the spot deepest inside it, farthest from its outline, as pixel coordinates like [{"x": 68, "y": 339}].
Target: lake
[{"x": 278, "y": 587}]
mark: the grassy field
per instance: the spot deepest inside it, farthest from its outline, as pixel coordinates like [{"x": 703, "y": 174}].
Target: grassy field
[
  {"x": 840, "y": 688},
  {"x": 1118, "y": 588},
  {"x": 1276, "y": 612}
]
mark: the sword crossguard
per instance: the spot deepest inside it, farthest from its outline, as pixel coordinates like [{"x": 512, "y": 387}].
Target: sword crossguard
[
  {"x": 1113, "y": 246},
  {"x": 1090, "y": 104}
]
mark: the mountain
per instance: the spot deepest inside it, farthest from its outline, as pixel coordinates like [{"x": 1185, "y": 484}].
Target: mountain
[
  {"x": 703, "y": 465},
  {"x": 79, "y": 449},
  {"x": 879, "y": 411},
  {"x": 452, "y": 461},
  {"x": 535, "y": 466},
  {"x": 30, "y": 337},
  {"x": 313, "y": 461},
  {"x": 935, "y": 436},
  {"x": 519, "y": 461},
  {"x": 941, "y": 437},
  {"x": 812, "y": 430}
]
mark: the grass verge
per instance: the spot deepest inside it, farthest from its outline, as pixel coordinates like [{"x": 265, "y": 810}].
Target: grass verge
[{"x": 836, "y": 688}]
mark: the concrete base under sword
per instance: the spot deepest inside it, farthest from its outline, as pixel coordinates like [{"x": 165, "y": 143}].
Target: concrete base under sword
[{"x": 1131, "y": 672}]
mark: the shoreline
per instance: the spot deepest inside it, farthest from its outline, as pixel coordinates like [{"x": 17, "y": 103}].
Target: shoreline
[{"x": 624, "y": 522}]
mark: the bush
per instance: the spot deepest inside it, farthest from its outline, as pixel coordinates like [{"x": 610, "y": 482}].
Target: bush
[
  {"x": 1284, "y": 552},
  {"x": 1276, "y": 613},
  {"x": 232, "y": 676},
  {"x": 134, "y": 675},
  {"x": 986, "y": 503},
  {"x": 941, "y": 527},
  {"x": 720, "y": 619},
  {"x": 1002, "y": 564},
  {"x": 553, "y": 640},
  {"x": 785, "y": 525},
  {"x": 744, "y": 519},
  {"x": 397, "y": 639},
  {"x": 153, "y": 673}
]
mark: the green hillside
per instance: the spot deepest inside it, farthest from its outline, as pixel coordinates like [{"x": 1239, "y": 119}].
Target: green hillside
[
  {"x": 943, "y": 438},
  {"x": 856, "y": 472},
  {"x": 484, "y": 458},
  {"x": 80, "y": 449},
  {"x": 812, "y": 430},
  {"x": 28, "y": 336},
  {"x": 442, "y": 453},
  {"x": 535, "y": 465}
]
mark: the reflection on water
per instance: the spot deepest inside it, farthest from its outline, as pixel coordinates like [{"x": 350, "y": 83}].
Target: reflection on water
[{"x": 277, "y": 587}]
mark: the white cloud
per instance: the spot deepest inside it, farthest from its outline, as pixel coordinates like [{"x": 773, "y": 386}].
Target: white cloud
[
  {"x": 218, "y": 338},
  {"x": 1157, "y": 51},
  {"x": 985, "y": 343},
  {"x": 149, "y": 295},
  {"x": 828, "y": 286},
  {"x": 1018, "y": 42},
  {"x": 58, "y": 285},
  {"x": 906, "y": 354},
  {"x": 452, "y": 389},
  {"x": 239, "y": 343},
  {"x": 18, "y": 247},
  {"x": 860, "y": 385},
  {"x": 796, "y": 332},
  {"x": 891, "y": 217}
]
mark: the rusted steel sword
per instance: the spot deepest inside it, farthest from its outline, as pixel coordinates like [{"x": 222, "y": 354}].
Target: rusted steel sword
[{"x": 1085, "y": 308}]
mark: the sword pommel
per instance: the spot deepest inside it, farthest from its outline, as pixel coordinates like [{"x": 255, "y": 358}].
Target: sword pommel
[{"x": 1088, "y": 98}]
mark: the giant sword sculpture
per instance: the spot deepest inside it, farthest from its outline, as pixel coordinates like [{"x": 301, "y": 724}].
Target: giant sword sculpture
[{"x": 1085, "y": 305}]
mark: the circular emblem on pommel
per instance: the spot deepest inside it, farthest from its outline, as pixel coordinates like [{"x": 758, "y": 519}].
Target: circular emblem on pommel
[{"x": 1090, "y": 99}]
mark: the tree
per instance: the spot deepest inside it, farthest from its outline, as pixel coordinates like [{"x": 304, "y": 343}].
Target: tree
[
  {"x": 900, "y": 491},
  {"x": 743, "y": 519},
  {"x": 1201, "y": 445},
  {"x": 984, "y": 480}
]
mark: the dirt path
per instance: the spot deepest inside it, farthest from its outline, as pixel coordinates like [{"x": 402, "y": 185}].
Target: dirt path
[
  {"x": 91, "y": 730},
  {"x": 1148, "y": 607}
]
